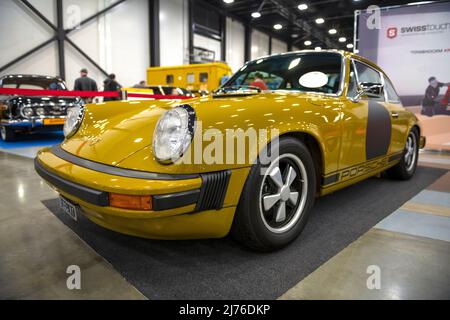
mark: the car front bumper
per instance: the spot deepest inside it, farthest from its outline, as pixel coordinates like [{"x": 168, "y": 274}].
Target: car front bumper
[
  {"x": 32, "y": 123},
  {"x": 183, "y": 207}
]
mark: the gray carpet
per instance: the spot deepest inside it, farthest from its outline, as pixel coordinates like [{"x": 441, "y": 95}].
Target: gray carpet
[{"x": 221, "y": 269}]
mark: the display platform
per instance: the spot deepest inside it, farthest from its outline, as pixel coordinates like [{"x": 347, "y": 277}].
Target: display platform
[
  {"x": 27, "y": 145},
  {"x": 222, "y": 269}
]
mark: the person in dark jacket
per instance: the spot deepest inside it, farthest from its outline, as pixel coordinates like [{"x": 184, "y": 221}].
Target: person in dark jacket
[
  {"x": 430, "y": 102},
  {"x": 84, "y": 83},
  {"x": 111, "y": 85}
]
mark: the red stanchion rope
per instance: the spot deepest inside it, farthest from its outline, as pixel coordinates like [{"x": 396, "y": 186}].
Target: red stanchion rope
[{"x": 84, "y": 94}]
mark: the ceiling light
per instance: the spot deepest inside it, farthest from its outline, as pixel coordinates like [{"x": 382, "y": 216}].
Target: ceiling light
[
  {"x": 332, "y": 31},
  {"x": 307, "y": 43},
  {"x": 256, "y": 15},
  {"x": 228, "y": 1},
  {"x": 278, "y": 26},
  {"x": 418, "y": 3},
  {"x": 349, "y": 45},
  {"x": 320, "y": 20},
  {"x": 302, "y": 6},
  {"x": 317, "y": 48},
  {"x": 294, "y": 35},
  {"x": 342, "y": 39}
]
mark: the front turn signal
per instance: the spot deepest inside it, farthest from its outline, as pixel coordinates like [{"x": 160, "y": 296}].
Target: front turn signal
[{"x": 131, "y": 202}]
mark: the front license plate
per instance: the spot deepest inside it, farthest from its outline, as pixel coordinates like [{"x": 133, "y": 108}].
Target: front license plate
[
  {"x": 70, "y": 209},
  {"x": 53, "y": 122}
]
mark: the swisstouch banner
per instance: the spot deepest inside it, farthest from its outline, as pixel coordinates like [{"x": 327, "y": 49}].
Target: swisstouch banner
[{"x": 411, "y": 43}]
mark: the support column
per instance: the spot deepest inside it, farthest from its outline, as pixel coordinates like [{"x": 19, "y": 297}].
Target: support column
[
  {"x": 60, "y": 36},
  {"x": 154, "y": 33},
  {"x": 248, "y": 42},
  {"x": 191, "y": 29},
  {"x": 223, "y": 35}
]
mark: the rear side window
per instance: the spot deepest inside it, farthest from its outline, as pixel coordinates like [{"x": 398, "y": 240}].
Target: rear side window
[{"x": 391, "y": 94}]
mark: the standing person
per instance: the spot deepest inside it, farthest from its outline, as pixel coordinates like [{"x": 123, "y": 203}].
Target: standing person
[
  {"x": 111, "y": 85},
  {"x": 84, "y": 83},
  {"x": 259, "y": 82},
  {"x": 430, "y": 103},
  {"x": 141, "y": 85}
]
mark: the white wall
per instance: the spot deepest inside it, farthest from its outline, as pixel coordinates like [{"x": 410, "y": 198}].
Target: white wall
[
  {"x": 260, "y": 44},
  {"x": 174, "y": 32},
  {"x": 279, "y": 46},
  {"x": 20, "y": 32},
  {"x": 235, "y": 37},
  {"x": 118, "y": 41}
]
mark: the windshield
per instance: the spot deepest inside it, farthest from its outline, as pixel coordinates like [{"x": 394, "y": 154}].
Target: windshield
[
  {"x": 308, "y": 71},
  {"x": 32, "y": 82}
]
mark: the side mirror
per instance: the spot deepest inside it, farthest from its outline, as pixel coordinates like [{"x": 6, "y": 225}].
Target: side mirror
[{"x": 369, "y": 89}]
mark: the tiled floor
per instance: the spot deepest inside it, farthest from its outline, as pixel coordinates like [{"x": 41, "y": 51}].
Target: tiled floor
[{"x": 410, "y": 249}]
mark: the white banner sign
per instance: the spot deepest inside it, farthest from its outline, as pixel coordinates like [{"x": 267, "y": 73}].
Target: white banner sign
[{"x": 413, "y": 48}]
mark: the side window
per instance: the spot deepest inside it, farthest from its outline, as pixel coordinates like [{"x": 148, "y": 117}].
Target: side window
[
  {"x": 190, "y": 78},
  {"x": 169, "y": 79},
  {"x": 368, "y": 75},
  {"x": 203, "y": 77},
  {"x": 392, "y": 95},
  {"x": 353, "y": 83}
]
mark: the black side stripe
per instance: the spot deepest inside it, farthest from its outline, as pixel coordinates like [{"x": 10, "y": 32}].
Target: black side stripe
[
  {"x": 330, "y": 179},
  {"x": 395, "y": 157},
  {"x": 378, "y": 134}
]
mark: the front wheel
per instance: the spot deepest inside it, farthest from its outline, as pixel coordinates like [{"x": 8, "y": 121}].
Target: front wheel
[
  {"x": 406, "y": 168},
  {"x": 276, "y": 199},
  {"x": 7, "y": 134}
]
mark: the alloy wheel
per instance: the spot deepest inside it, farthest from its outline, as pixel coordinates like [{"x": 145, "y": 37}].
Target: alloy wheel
[
  {"x": 410, "y": 151},
  {"x": 283, "y": 193}
]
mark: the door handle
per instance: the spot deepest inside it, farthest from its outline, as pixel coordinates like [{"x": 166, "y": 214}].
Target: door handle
[{"x": 394, "y": 115}]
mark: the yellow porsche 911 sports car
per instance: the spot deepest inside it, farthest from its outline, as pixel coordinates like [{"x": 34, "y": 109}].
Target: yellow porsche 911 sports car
[{"x": 250, "y": 159}]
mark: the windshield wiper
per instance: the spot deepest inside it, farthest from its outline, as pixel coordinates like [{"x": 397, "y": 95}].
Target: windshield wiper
[{"x": 242, "y": 88}]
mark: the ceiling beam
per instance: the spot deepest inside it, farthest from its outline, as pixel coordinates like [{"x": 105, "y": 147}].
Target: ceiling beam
[{"x": 286, "y": 13}]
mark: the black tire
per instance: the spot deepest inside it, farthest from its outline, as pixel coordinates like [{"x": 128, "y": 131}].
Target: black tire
[
  {"x": 7, "y": 134},
  {"x": 404, "y": 170},
  {"x": 251, "y": 226}
]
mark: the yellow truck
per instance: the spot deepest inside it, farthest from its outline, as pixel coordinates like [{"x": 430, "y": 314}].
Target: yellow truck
[{"x": 195, "y": 77}]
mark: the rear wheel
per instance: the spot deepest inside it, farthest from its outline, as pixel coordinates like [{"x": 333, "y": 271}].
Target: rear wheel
[
  {"x": 406, "y": 168},
  {"x": 276, "y": 199},
  {"x": 7, "y": 134}
]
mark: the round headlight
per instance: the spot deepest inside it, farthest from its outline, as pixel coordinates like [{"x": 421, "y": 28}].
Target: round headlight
[
  {"x": 40, "y": 111},
  {"x": 28, "y": 112},
  {"x": 73, "y": 120},
  {"x": 173, "y": 133}
]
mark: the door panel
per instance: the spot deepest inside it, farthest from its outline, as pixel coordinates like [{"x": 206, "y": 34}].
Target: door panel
[
  {"x": 354, "y": 126},
  {"x": 366, "y": 124},
  {"x": 399, "y": 117}
]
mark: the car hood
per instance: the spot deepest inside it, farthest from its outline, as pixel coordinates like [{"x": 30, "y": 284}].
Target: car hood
[{"x": 121, "y": 133}]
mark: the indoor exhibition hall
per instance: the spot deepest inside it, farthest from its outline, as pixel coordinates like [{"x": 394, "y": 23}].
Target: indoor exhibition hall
[{"x": 231, "y": 156}]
